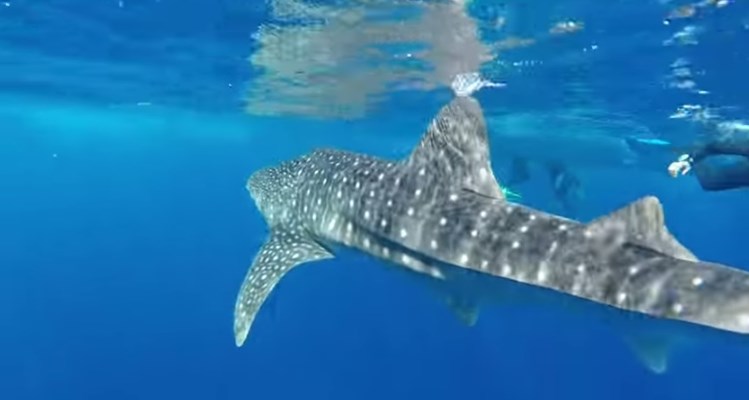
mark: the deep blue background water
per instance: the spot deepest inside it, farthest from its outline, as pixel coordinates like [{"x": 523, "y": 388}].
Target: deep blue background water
[{"x": 127, "y": 229}]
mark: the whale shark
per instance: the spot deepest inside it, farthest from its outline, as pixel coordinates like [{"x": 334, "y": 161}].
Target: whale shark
[{"x": 440, "y": 215}]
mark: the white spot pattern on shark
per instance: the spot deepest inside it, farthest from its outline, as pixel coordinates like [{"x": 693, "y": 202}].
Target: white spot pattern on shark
[{"x": 441, "y": 210}]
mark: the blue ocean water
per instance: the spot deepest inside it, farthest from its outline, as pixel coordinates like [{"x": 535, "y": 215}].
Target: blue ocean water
[{"x": 129, "y": 129}]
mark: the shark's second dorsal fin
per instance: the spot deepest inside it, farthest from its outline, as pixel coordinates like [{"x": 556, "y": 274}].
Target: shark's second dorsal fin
[
  {"x": 643, "y": 223},
  {"x": 281, "y": 252},
  {"x": 456, "y": 148}
]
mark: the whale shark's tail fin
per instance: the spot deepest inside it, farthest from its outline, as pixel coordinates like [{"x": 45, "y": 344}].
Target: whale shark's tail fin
[
  {"x": 643, "y": 224},
  {"x": 281, "y": 252}
]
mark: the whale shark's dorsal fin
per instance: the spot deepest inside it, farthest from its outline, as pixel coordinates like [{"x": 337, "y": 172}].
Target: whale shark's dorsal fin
[
  {"x": 644, "y": 224},
  {"x": 283, "y": 250},
  {"x": 456, "y": 148}
]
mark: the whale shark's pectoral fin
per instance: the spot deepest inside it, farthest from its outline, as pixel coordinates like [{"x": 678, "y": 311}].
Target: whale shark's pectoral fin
[
  {"x": 644, "y": 224},
  {"x": 281, "y": 252},
  {"x": 455, "y": 147},
  {"x": 652, "y": 351}
]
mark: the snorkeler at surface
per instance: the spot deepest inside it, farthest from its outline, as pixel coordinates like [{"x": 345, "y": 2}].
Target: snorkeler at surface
[{"x": 720, "y": 162}]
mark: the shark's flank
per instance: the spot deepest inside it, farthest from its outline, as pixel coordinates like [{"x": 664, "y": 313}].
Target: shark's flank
[{"x": 441, "y": 209}]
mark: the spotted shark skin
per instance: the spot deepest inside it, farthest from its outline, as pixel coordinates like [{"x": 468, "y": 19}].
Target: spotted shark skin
[{"x": 441, "y": 209}]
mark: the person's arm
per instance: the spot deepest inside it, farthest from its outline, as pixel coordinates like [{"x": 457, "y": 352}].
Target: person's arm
[
  {"x": 727, "y": 138},
  {"x": 723, "y": 172},
  {"x": 686, "y": 161},
  {"x": 700, "y": 151}
]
